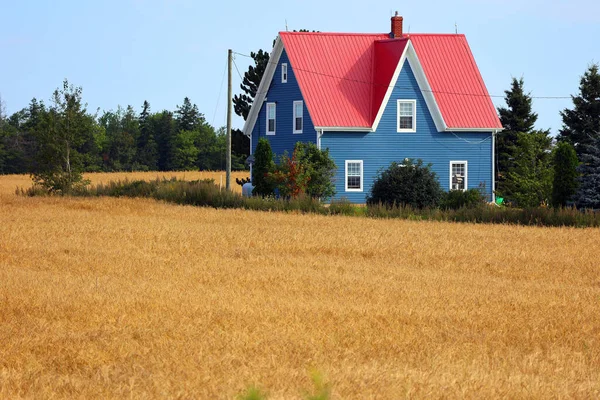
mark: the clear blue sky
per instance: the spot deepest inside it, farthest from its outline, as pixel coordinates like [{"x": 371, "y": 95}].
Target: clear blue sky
[{"x": 127, "y": 51}]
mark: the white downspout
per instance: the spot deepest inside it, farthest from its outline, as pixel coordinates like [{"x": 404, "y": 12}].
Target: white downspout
[
  {"x": 251, "y": 154},
  {"x": 319, "y": 135},
  {"x": 493, "y": 166}
]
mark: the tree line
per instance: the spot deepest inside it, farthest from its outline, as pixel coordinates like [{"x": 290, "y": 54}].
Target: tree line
[
  {"x": 535, "y": 169},
  {"x": 64, "y": 135},
  {"x": 532, "y": 167}
]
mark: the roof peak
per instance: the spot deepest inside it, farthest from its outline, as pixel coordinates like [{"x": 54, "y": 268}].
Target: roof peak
[{"x": 404, "y": 36}]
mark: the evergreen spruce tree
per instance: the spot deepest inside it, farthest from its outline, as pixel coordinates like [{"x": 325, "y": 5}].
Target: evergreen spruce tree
[
  {"x": 147, "y": 151},
  {"x": 564, "y": 184},
  {"x": 581, "y": 125},
  {"x": 188, "y": 117},
  {"x": 588, "y": 194},
  {"x": 19, "y": 140},
  {"x": 164, "y": 127},
  {"x": 242, "y": 103},
  {"x": 516, "y": 117}
]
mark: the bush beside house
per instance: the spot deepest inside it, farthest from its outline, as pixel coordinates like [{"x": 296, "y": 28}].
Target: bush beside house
[{"x": 407, "y": 184}]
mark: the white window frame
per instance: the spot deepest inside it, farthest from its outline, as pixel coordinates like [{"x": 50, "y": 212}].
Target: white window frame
[
  {"x": 269, "y": 105},
  {"x": 414, "y": 115},
  {"x": 466, "y": 174},
  {"x": 362, "y": 176},
  {"x": 296, "y": 116},
  {"x": 284, "y": 73}
]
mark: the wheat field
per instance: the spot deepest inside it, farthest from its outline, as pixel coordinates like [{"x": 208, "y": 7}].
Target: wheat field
[
  {"x": 115, "y": 298},
  {"x": 8, "y": 183}
]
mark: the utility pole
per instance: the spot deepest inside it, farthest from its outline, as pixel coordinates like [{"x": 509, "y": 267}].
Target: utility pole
[
  {"x": 229, "y": 101},
  {"x": 228, "y": 139}
]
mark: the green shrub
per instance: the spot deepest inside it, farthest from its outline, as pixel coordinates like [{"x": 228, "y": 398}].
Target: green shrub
[
  {"x": 319, "y": 167},
  {"x": 206, "y": 194},
  {"x": 455, "y": 199},
  {"x": 263, "y": 165},
  {"x": 412, "y": 184}
]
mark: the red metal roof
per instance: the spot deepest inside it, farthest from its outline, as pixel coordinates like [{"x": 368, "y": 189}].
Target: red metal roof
[
  {"x": 335, "y": 72},
  {"x": 455, "y": 80},
  {"x": 344, "y": 77}
]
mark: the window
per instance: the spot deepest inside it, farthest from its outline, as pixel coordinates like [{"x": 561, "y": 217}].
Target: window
[
  {"x": 298, "y": 116},
  {"x": 271, "y": 112},
  {"x": 354, "y": 175},
  {"x": 458, "y": 175},
  {"x": 284, "y": 73},
  {"x": 407, "y": 112}
]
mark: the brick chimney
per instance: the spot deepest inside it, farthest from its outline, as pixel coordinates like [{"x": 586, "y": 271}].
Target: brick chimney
[{"x": 396, "y": 26}]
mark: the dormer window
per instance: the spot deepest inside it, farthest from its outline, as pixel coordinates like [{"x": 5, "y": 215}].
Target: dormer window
[
  {"x": 271, "y": 118},
  {"x": 284, "y": 73},
  {"x": 407, "y": 116},
  {"x": 298, "y": 116}
]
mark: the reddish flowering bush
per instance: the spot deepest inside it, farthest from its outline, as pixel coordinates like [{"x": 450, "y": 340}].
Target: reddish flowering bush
[{"x": 290, "y": 177}]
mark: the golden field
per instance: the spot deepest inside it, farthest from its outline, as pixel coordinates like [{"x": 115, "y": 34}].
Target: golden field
[
  {"x": 8, "y": 183},
  {"x": 114, "y": 298}
]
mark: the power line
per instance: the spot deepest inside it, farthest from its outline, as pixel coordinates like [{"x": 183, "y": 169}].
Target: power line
[
  {"x": 219, "y": 97},
  {"x": 236, "y": 68},
  {"x": 406, "y": 88}
]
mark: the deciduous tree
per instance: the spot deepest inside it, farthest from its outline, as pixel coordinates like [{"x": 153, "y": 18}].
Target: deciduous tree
[
  {"x": 529, "y": 181},
  {"x": 63, "y": 128}
]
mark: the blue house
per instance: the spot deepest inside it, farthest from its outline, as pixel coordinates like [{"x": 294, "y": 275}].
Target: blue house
[{"x": 372, "y": 99}]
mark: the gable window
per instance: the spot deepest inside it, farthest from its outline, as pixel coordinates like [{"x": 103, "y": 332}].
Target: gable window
[
  {"x": 284, "y": 73},
  {"x": 458, "y": 175},
  {"x": 407, "y": 116},
  {"x": 354, "y": 175},
  {"x": 298, "y": 116},
  {"x": 271, "y": 118}
]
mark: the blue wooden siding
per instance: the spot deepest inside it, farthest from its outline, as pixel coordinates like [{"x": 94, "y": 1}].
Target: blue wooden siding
[
  {"x": 284, "y": 95},
  {"x": 378, "y": 149}
]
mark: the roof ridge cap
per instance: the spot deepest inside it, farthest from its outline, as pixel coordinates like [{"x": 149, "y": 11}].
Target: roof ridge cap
[{"x": 333, "y": 33}]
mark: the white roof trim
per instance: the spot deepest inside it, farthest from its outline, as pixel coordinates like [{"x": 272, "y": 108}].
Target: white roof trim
[
  {"x": 493, "y": 130},
  {"x": 390, "y": 88},
  {"x": 344, "y": 128},
  {"x": 411, "y": 55},
  {"x": 265, "y": 83}
]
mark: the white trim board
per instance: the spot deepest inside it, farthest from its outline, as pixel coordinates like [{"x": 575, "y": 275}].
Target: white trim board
[
  {"x": 265, "y": 83},
  {"x": 411, "y": 55}
]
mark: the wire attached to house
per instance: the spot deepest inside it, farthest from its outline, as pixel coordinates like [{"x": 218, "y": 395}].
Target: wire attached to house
[
  {"x": 470, "y": 141},
  {"x": 404, "y": 88}
]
